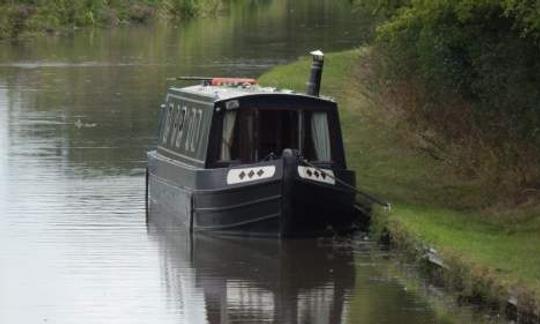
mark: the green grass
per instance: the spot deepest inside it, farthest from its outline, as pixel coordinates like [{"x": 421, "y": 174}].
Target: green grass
[
  {"x": 513, "y": 255},
  {"x": 374, "y": 147},
  {"x": 431, "y": 203}
]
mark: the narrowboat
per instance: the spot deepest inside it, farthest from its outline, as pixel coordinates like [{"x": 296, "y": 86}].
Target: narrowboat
[{"x": 236, "y": 158}]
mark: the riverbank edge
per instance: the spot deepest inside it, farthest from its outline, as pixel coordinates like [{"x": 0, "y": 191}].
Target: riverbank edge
[{"x": 471, "y": 282}]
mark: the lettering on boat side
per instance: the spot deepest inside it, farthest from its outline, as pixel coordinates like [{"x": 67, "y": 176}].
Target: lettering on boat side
[
  {"x": 235, "y": 176},
  {"x": 167, "y": 126},
  {"x": 180, "y": 128},
  {"x": 183, "y": 127},
  {"x": 316, "y": 174}
]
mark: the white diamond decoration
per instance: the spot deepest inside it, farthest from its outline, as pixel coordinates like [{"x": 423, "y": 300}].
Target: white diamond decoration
[
  {"x": 234, "y": 176},
  {"x": 315, "y": 174}
]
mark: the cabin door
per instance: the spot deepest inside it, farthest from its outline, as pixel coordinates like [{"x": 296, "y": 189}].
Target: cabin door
[{"x": 276, "y": 131}]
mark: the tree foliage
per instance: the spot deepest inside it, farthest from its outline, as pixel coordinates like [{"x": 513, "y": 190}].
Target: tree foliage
[{"x": 474, "y": 70}]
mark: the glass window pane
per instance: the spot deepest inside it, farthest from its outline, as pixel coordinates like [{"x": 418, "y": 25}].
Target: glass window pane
[
  {"x": 229, "y": 121},
  {"x": 320, "y": 135}
]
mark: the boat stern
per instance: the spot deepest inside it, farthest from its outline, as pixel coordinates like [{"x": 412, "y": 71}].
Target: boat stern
[{"x": 317, "y": 201}]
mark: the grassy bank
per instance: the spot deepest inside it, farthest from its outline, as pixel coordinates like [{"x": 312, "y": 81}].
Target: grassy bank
[
  {"x": 23, "y": 17},
  {"x": 489, "y": 258}
]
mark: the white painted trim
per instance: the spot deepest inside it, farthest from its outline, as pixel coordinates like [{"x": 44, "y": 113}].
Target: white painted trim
[
  {"x": 235, "y": 176},
  {"x": 315, "y": 174},
  {"x": 179, "y": 154},
  {"x": 205, "y": 103}
]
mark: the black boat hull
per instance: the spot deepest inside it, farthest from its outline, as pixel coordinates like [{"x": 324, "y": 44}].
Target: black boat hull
[{"x": 281, "y": 205}]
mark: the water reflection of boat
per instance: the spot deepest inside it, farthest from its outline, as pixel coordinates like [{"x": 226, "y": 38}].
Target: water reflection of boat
[
  {"x": 221, "y": 280},
  {"x": 236, "y": 158}
]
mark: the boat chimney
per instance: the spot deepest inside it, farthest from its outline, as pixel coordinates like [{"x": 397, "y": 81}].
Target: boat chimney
[{"x": 314, "y": 83}]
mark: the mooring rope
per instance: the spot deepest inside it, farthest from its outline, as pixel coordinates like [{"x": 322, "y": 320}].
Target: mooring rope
[{"x": 370, "y": 197}]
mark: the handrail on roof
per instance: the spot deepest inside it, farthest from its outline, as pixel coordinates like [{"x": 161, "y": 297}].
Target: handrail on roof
[{"x": 217, "y": 81}]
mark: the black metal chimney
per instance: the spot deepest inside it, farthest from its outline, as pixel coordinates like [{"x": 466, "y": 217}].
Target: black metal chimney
[{"x": 314, "y": 83}]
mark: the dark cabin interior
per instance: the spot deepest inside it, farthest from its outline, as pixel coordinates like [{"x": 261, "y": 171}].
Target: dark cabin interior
[
  {"x": 254, "y": 135},
  {"x": 277, "y": 130}
]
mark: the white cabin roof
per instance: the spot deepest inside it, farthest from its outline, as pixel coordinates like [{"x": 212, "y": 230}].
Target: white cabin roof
[{"x": 219, "y": 93}]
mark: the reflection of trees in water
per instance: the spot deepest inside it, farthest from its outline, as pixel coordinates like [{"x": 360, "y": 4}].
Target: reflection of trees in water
[
  {"x": 115, "y": 78},
  {"x": 300, "y": 281}
]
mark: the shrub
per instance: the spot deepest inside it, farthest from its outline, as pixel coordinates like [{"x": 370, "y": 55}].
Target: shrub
[{"x": 474, "y": 67}]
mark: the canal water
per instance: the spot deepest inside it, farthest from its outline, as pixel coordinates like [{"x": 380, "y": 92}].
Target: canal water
[{"x": 78, "y": 112}]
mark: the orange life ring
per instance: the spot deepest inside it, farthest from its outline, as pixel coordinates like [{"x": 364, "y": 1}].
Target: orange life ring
[{"x": 232, "y": 82}]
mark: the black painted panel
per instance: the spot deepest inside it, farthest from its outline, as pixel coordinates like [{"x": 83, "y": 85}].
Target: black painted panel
[
  {"x": 232, "y": 197},
  {"x": 238, "y": 216}
]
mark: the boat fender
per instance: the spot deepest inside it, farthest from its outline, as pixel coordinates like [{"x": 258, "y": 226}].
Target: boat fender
[
  {"x": 288, "y": 153},
  {"x": 290, "y": 161}
]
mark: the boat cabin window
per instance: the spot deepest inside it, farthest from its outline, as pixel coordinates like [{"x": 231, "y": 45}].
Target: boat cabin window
[
  {"x": 253, "y": 135},
  {"x": 317, "y": 145},
  {"x": 238, "y": 139}
]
